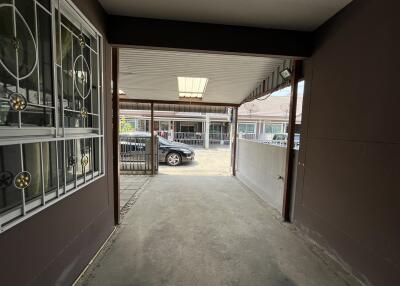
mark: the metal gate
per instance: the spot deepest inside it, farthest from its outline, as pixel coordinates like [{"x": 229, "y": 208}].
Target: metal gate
[{"x": 135, "y": 155}]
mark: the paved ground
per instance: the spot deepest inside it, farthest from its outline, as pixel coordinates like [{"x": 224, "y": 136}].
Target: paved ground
[
  {"x": 206, "y": 230},
  {"x": 129, "y": 186},
  {"x": 214, "y": 161}
]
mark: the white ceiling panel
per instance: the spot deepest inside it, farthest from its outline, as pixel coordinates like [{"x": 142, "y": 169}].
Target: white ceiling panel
[
  {"x": 305, "y": 15},
  {"x": 152, "y": 74}
]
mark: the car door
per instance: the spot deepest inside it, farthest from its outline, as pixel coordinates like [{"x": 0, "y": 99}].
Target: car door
[{"x": 162, "y": 152}]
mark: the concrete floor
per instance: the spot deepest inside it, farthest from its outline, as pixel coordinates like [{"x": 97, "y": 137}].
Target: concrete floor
[{"x": 207, "y": 230}]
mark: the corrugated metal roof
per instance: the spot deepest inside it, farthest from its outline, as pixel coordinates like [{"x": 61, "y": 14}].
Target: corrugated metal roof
[{"x": 152, "y": 74}]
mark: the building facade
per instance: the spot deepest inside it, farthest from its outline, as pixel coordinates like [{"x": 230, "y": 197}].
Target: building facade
[{"x": 257, "y": 120}]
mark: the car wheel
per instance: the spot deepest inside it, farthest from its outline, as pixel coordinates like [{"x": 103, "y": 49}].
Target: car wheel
[{"x": 173, "y": 159}]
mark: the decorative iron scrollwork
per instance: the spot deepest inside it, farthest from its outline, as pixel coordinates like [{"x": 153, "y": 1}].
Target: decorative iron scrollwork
[
  {"x": 82, "y": 41},
  {"x": 84, "y": 112},
  {"x": 85, "y": 161},
  {"x": 17, "y": 102},
  {"x": 22, "y": 180},
  {"x": 82, "y": 75}
]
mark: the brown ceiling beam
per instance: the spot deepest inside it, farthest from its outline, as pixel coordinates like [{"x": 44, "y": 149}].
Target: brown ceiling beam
[
  {"x": 179, "y": 35},
  {"x": 178, "y": 102}
]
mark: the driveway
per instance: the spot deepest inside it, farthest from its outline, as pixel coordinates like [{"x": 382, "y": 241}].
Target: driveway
[
  {"x": 207, "y": 230},
  {"x": 214, "y": 161}
]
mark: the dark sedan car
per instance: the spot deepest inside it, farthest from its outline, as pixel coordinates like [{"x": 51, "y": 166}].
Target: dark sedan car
[
  {"x": 170, "y": 152},
  {"x": 174, "y": 153}
]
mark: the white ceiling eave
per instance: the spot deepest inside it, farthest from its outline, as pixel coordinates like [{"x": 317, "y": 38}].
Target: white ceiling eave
[{"x": 300, "y": 15}]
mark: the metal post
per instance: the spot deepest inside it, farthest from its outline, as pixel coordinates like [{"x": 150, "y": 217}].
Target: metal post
[
  {"x": 287, "y": 195},
  {"x": 207, "y": 132},
  {"x": 115, "y": 121},
  {"x": 235, "y": 141},
  {"x": 152, "y": 139}
]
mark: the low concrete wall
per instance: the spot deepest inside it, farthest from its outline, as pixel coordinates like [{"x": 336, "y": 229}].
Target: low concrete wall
[{"x": 259, "y": 166}]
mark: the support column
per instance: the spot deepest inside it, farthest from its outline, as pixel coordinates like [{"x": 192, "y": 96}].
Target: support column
[
  {"x": 235, "y": 128},
  {"x": 207, "y": 132},
  {"x": 152, "y": 139},
  {"x": 115, "y": 131},
  {"x": 287, "y": 195},
  {"x": 170, "y": 131}
]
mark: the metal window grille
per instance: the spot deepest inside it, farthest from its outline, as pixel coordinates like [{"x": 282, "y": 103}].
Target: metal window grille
[{"x": 51, "y": 106}]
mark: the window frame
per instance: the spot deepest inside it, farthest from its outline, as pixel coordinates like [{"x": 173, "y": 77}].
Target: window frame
[
  {"x": 247, "y": 124},
  {"x": 19, "y": 136},
  {"x": 281, "y": 126}
]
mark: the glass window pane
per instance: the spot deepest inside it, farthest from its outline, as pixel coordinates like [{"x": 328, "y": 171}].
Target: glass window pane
[
  {"x": 10, "y": 165},
  {"x": 28, "y": 87},
  {"x": 93, "y": 43},
  {"x": 96, "y": 150},
  {"x": 67, "y": 61},
  {"x": 49, "y": 166},
  {"x": 273, "y": 128},
  {"x": 95, "y": 87},
  {"x": 7, "y": 52},
  {"x": 37, "y": 116},
  {"x": 87, "y": 79},
  {"x": 25, "y": 42},
  {"x": 81, "y": 153},
  {"x": 69, "y": 25},
  {"x": 59, "y": 93},
  {"x": 78, "y": 75},
  {"x": 58, "y": 29},
  {"x": 61, "y": 164},
  {"x": 246, "y": 128},
  {"x": 45, "y": 58},
  {"x": 31, "y": 157},
  {"x": 70, "y": 161},
  {"x": 89, "y": 149},
  {"x": 250, "y": 128},
  {"x": 45, "y": 3},
  {"x": 241, "y": 128},
  {"x": 8, "y": 117},
  {"x": 72, "y": 119}
]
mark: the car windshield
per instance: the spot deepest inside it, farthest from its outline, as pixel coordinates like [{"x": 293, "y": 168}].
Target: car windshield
[{"x": 164, "y": 141}]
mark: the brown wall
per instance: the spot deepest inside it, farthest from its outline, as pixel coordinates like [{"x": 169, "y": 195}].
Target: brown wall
[
  {"x": 52, "y": 247},
  {"x": 348, "y": 196}
]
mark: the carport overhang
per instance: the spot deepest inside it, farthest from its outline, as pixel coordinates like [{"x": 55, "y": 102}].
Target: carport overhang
[
  {"x": 288, "y": 47},
  {"x": 272, "y": 81}
]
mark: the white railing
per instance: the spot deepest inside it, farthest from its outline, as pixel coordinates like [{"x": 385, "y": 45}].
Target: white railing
[
  {"x": 190, "y": 138},
  {"x": 264, "y": 138}
]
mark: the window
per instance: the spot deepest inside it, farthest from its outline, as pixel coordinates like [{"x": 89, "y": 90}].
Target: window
[
  {"x": 273, "y": 128},
  {"x": 164, "y": 125},
  {"x": 247, "y": 128},
  {"x": 51, "y": 118},
  {"x": 215, "y": 127}
]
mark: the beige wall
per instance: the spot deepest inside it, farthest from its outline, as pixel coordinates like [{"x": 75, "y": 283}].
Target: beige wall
[{"x": 260, "y": 166}]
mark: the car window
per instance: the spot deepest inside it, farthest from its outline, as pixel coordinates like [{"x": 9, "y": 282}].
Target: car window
[{"x": 164, "y": 141}]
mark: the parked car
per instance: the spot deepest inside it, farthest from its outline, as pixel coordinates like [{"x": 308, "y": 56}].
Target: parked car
[{"x": 170, "y": 152}]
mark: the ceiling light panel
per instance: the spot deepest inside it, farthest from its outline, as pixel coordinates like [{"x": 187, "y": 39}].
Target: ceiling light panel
[{"x": 192, "y": 84}]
